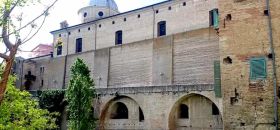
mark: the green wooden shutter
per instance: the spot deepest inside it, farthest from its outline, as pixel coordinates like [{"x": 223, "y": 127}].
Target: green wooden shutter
[
  {"x": 258, "y": 68},
  {"x": 217, "y": 79},
  {"x": 216, "y": 18}
]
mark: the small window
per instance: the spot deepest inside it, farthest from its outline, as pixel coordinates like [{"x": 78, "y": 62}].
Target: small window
[
  {"x": 79, "y": 30},
  {"x": 258, "y": 68},
  {"x": 184, "y": 111},
  {"x": 59, "y": 50},
  {"x": 59, "y": 35},
  {"x": 124, "y": 19},
  {"x": 42, "y": 83},
  {"x": 42, "y": 70},
  {"x": 89, "y": 28},
  {"x": 156, "y": 11},
  {"x": 215, "y": 110},
  {"x": 184, "y": 4},
  {"x": 100, "y": 25},
  {"x": 139, "y": 16},
  {"x": 79, "y": 45},
  {"x": 161, "y": 28},
  {"x": 118, "y": 37},
  {"x": 85, "y": 14},
  {"x": 69, "y": 33},
  {"x": 169, "y": 8},
  {"x": 214, "y": 18},
  {"x": 113, "y": 22}
]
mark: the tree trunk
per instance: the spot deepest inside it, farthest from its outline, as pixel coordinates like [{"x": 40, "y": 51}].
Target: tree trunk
[{"x": 6, "y": 74}]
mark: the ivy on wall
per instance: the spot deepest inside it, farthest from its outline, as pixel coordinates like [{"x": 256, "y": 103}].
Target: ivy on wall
[{"x": 53, "y": 101}]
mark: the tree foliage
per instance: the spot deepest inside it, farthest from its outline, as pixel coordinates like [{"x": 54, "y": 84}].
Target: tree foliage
[
  {"x": 20, "y": 112},
  {"x": 53, "y": 101},
  {"x": 80, "y": 95}
]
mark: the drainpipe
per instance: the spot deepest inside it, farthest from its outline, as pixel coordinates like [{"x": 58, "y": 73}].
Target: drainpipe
[
  {"x": 66, "y": 57},
  {"x": 154, "y": 20},
  {"x": 273, "y": 64}
]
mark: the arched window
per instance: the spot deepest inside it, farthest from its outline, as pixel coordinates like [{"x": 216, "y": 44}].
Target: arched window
[
  {"x": 118, "y": 37},
  {"x": 161, "y": 28},
  {"x": 119, "y": 111},
  {"x": 184, "y": 111}
]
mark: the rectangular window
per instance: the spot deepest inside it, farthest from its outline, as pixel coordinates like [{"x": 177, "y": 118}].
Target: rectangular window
[
  {"x": 42, "y": 83},
  {"x": 214, "y": 18},
  {"x": 79, "y": 45},
  {"x": 258, "y": 68},
  {"x": 161, "y": 28},
  {"x": 59, "y": 50},
  {"x": 42, "y": 70},
  {"x": 118, "y": 37}
]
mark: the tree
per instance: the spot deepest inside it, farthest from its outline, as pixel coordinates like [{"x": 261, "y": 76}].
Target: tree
[
  {"x": 9, "y": 31},
  {"x": 80, "y": 94},
  {"x": 20, "y": 112}
]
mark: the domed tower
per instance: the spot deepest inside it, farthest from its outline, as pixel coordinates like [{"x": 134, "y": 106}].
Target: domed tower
[{"x": 98, "y": 9}]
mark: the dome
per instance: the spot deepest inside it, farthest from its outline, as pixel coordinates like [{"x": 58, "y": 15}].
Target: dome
[{"x": 104, "y": 3}]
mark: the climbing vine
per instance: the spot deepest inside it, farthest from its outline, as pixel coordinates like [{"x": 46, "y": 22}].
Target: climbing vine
[{"x": 53, "y": 101}]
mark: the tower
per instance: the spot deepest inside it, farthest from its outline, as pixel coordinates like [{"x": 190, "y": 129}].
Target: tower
[{"x": 98, "y": 9}]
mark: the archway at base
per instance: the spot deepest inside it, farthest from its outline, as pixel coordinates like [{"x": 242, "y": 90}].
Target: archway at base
[
  {"x": 121, "y": 112},
  {"x": 195, "y": 112}
]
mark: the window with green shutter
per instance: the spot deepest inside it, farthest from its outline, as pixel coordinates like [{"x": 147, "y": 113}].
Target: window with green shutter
[
  {"x": 214, "y": 18},
  {"x": 258, "y": 68},
  {"x": 217, "y": 79}
]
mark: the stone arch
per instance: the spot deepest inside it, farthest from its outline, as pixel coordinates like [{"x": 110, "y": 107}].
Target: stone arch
[
  {"x": 200, "y": 110},
  {"x": 133, "y": 107}
]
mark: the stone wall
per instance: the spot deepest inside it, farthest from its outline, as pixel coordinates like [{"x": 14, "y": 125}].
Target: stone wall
[
  {"x": 248, "y": 104},
  {"x": 179, "y": 18},
  {"x": 184, "y": 58}
]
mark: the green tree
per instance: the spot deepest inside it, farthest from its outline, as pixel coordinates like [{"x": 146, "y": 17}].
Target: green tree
[
  {"x": 80, "y": 94},
  {"x": 9, "y": 30},
  {"x": 20, "y": 112}
]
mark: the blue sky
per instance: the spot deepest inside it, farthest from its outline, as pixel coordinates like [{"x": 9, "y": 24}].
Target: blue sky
[{"x": 67, "y": 10}]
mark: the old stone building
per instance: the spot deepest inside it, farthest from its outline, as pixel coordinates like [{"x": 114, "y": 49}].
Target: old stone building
[{"x": 178, "y": 64}]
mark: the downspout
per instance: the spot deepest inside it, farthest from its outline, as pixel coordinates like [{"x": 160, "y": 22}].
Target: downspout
[
  {"x": 66, "y": 57},
  {"x": 95, "y": 36},
  {"x": 154, "y": 19},
  {"x": 273, "y": 64}
]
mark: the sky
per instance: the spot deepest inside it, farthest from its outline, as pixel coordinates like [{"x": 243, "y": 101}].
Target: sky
[{"x": 63, "y": 10}]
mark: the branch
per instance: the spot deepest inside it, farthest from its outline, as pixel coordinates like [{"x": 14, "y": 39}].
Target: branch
[
  {"x": 5, "y": 34},
  {"x": 26, "y": 40},
  {"x": 4, "y": 56},
  {"x": 17, "y": 2},
  {"x": 32, "y": 21}
]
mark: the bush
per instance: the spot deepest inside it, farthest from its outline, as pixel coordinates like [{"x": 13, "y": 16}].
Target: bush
[{"x": 21, "y": 112}]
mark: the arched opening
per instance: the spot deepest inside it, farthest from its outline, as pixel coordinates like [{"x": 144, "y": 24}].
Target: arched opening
[
  {"x": 196, "y": 112},
  {"x": 141, "y": 115},
  {"x": 119, "y": 111},
  {"x": 184, "y": 111}
]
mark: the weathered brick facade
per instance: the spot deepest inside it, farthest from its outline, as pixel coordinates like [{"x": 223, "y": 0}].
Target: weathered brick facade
[{"x": 244, "y": 34}]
